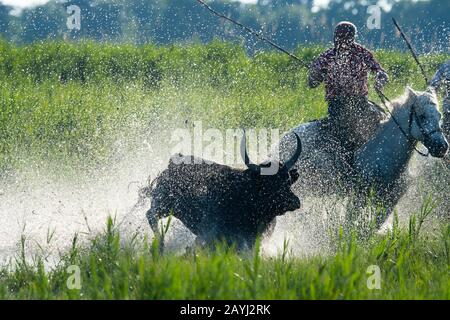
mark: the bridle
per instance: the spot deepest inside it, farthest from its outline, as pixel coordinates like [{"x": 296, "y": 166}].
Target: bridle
[
  {"x": 425, "y": 134},
  {"x": 412, "y": 116}
]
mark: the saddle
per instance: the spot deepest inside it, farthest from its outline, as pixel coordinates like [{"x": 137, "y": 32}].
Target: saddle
[{"x": 375, "y": 114}]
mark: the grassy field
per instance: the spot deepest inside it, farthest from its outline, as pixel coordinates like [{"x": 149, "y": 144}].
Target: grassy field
[
  {"x": 62, "y": 108},
  {"x": 409, "y": 268}
]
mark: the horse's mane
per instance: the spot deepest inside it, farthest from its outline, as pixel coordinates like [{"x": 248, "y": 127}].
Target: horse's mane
[{"x": 410, "y": 96}]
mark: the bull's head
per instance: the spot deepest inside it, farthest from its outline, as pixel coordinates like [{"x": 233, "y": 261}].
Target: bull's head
[
  {"x": 275, "y": 190},
  {"x": 283, "y": 167}
]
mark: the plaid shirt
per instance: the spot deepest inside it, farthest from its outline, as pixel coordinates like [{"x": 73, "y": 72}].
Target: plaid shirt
[
  {"x": 345, "y": 74},
  {"x": 442, "y": 76}
]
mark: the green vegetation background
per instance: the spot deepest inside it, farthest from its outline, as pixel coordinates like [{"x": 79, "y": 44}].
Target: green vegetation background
[
  {"x": 67, "y": 102},
  {"x": 288, "y": 22}
]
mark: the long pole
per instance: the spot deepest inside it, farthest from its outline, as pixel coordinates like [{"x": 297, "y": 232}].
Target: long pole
[
  {"x": 251, "y": 31},
  {"x": 411, "y": 49}
]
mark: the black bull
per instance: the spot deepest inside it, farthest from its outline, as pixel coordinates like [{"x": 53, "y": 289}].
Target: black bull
[{"x": 220, "y": 203}]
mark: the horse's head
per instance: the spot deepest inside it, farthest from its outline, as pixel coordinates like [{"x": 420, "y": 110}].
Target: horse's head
[{"x": 425, "y": 121}]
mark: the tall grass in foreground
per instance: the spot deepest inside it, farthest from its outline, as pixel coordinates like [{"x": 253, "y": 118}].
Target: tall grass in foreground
[{"x": 411, "y": 267}]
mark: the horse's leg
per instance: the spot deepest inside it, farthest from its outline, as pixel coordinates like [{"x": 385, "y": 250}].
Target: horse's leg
[
  {"x": 368, "y": 211},
  {"x": 354, "y": 210},
  {"x": 382, "y": 218},
  {"x": 388, "y": 201}
]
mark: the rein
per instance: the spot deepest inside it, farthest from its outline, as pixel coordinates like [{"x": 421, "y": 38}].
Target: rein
[
  {"x": 412, "y": 114},
  {"x": 258, "y": 35}
]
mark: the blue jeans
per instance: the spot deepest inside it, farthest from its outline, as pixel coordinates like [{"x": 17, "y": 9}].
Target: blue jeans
[{"x": 353, "y": 120}]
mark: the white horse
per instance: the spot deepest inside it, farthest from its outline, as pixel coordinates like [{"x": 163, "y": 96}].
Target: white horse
[{"x": 380, "y": 164}]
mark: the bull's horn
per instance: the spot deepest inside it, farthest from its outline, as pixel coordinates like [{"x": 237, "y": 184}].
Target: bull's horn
[
  {"x": 291, "y": 162},
  {"x": 244, "y": 154}
]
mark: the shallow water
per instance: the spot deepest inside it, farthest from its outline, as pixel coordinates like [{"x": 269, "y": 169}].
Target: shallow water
[{"x": 49, "y": 213}]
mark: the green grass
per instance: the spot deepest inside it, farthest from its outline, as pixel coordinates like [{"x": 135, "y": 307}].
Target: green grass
[
  {"x": 410, "y": 268},
  {"x": 63, "y": 106}
]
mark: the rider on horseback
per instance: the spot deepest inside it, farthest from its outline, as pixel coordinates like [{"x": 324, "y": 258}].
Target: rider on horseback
[
  {"x": 442, "y": 76},
  {"x": 344, "y": 69}
]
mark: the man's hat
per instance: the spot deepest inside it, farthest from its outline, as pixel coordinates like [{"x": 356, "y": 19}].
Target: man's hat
[{"x": 345, "y": 31}]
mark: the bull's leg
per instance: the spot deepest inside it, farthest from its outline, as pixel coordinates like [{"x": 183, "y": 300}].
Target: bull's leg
[
  {"x": 267, "y": 233},
  {"x": 153, "y": 219},
  {"x": 206, "y": 240}
]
